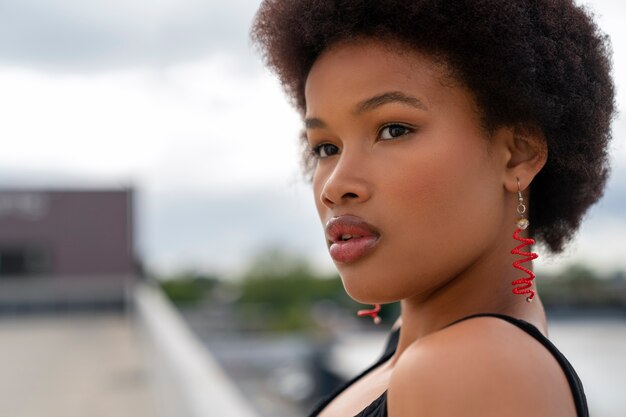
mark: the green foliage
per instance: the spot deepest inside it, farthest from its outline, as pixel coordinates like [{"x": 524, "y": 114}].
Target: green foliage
[
  {"x": 276, "y": 263},
  {"x": 279, "y": 291},
  {"x": 189, "y": 288},
  {"x": 580, "y": 286}
]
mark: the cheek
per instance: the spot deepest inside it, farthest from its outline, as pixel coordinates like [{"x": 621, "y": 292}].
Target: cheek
[
  {"x": 449, "y": 188},
  {"x": 447, "y": 208}
]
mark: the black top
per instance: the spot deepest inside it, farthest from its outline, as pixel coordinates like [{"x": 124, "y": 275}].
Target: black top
[{"x": 378, "y": 407}]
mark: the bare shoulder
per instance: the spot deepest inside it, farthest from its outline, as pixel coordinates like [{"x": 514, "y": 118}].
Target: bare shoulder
[{"x": 479, "y": 367}]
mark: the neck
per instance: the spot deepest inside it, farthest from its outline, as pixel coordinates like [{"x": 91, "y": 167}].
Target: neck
[{"x": 458, "y": 297}]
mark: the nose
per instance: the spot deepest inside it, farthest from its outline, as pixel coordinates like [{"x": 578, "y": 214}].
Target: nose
[{"x": 347, "y": 183}]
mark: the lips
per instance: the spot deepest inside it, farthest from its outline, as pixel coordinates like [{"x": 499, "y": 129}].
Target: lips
[{"x": 350, "y": 238}]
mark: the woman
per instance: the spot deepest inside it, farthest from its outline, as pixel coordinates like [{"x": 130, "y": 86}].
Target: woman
[{"x": 441, "y": 137}]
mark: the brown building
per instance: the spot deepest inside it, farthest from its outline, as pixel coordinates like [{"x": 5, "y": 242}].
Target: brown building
[{"x": 65, "y": 248}]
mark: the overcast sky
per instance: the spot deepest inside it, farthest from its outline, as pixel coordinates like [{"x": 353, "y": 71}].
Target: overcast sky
[{"x": 167, "y": 96}]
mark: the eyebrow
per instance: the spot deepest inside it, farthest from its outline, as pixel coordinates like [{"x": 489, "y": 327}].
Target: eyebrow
[
  {"x": 389, "y": 97},
  {"x": 372, "y": 103},
  {"x": 314, "y": 123}
]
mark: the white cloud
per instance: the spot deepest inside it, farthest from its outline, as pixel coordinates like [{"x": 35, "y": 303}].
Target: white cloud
[
  {"x": 199, "y": 125},
  {"x": 250, "y": 132},
  {"x": 97, "y": 124},
  {"x": 77, "y": 35}
]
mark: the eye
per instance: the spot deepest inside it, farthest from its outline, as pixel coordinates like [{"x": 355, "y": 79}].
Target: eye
[
  {"x": 393, "y": 131},
  {"x": 325, "y": 150}
]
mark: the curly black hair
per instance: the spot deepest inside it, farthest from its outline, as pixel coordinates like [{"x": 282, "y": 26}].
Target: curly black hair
[{"x": 543, "y": 62}]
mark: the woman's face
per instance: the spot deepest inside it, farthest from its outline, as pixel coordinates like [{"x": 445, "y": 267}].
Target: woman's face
[{"x": 405, "y": 178}]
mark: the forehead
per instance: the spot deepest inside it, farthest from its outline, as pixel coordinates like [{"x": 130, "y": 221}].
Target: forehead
[{"x": 355, "y": 70}]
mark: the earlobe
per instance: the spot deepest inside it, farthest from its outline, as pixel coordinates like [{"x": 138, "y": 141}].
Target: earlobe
[{"x": 528, "y": 153}]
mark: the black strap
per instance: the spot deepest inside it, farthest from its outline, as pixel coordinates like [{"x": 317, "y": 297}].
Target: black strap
[
  {"x": 390, "y": 349},
  {"x": 575, "y": 384}
]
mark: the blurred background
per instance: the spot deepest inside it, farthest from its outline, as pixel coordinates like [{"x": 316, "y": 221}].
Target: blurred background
[{"x": 160, "y": 254}]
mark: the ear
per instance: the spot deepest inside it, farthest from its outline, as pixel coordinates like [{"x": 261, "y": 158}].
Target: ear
[{"x": 526, "y": 152}]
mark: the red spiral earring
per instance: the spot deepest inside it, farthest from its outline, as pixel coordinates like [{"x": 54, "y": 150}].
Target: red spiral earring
[
  {"x": 523, "y": 285},
  {"x": 373, "y": 313}
]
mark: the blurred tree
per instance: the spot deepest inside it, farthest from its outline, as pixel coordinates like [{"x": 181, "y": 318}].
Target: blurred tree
[
  {"x": 578, "y": 286},
  {"x": 276, "y": 262},
  {"x": 280, "y": 292},
  {"x": 189, "y": 287}
]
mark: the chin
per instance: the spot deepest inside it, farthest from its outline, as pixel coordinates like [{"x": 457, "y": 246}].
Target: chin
[{"x": 367, "y": 291}]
